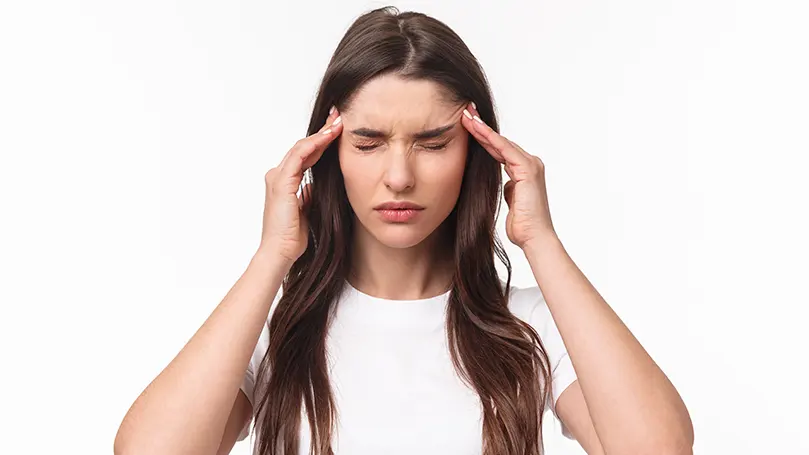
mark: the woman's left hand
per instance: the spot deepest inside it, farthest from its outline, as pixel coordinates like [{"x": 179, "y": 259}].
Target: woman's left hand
[{"x": 529, "y": 216}]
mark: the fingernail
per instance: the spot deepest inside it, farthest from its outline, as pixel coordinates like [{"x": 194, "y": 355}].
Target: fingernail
[
  {"x": 327, "y": 131},
  {"x": 474, "y": 106},
  {"x": 337, "y": 120},
  {"x": 331, "y": 110},
  {"x": 478, "y": 119},
  {"x": 467, "y": 114}
]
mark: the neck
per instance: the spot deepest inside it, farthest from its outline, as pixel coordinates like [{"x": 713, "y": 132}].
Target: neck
[{"x": 418, "y": 272}]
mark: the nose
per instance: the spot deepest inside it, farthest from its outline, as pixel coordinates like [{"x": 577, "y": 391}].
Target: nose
[{"x": 399, "y": 176}]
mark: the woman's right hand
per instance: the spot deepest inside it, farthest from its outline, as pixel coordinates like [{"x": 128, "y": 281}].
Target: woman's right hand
[{"x": 285, "y": 230}]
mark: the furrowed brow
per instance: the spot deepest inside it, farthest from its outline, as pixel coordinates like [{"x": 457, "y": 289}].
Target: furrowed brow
[
  {"x": 426, "y": 134},
  {"x": 433, "y": 133},
  {"x": 369, "y": 133}
]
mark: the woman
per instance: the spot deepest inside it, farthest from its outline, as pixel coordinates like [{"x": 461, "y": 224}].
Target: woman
[{"x": 393, "y": 332}]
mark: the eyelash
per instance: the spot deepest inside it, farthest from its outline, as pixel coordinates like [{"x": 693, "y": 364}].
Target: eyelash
[{"x": 436, "y": 147}]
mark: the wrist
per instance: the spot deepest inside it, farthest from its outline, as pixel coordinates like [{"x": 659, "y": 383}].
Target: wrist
[
  {"x": 269, "y": 258},
  {"x": 542, "y": 242}
]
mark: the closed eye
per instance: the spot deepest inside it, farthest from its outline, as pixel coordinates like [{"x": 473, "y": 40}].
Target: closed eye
[
  {"x": 435, "y": 147},
  {"x": 432, "y": 147}
]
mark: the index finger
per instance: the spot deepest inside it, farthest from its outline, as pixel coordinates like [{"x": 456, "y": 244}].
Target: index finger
[
  {"x": 495, "y": 141},
  {"x": 305, "y": 153}
]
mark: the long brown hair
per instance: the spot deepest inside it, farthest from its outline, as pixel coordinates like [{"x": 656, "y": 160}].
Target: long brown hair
[{"x": 494, "y": 352}]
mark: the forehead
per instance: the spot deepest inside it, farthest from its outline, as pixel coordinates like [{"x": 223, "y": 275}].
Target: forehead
[{"x": 390, "y": 101}]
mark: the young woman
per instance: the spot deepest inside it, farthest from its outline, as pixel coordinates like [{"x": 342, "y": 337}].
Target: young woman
[{"x": 393, "y": 332}]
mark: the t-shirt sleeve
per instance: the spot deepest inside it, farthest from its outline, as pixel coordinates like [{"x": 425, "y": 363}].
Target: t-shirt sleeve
[
  {"x": 249, "y": 381},
  {"x": 531, "y": 303}
]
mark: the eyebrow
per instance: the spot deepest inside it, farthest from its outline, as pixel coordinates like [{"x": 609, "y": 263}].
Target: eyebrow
[{"x": 426, "y": 134}]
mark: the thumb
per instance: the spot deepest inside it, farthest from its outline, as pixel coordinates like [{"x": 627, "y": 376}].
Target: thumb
[{"x": 508, "y": 192}]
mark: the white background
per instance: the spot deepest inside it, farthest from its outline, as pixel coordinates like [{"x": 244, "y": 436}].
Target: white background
[{"x": 135, "y": 137}]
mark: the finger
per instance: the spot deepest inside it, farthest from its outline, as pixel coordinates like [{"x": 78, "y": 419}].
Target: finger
[
  {"x": 487, "y": 146},
  {"x": 501, "y": 145},
  {"x": 508, "y": 192},
  {"x": 307, "y": 151},
  {"x": 473, "y": 112},
  {"x": 508, "y": 166},
  {"x": 529, "y": 155},
  {"x": 269, "y": 176},
  {"x": 469, "y": 123},
  {"x": 333, "y": 115},
  {"x": 331, "y": 129},
  {"x": 517, "y": 146}
]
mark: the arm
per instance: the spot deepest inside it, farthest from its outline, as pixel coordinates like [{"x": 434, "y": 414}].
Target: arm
[
  {"x": 186, "y": 409},
  {"x": 621, "y": 397},
  {"x": 240, "y": 416},
  {"x": 192, "y": 407},
  {"x": 620, "y": 393}
]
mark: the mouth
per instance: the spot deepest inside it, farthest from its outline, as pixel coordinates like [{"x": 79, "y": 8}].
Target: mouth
[
  {"x": 398, "y": 206},
  {"x": 398, "y": 212}
]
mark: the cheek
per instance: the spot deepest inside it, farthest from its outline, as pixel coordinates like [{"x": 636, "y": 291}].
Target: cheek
[
  {"x": 443, "y": 173},
  {"x": 356, "y": 181},
  {"x": 450, "y": 165}
]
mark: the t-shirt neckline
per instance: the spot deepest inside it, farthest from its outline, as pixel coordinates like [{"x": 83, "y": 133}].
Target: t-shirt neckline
[
  {"x": 396, "y": 301},
  {"x": 360, "y": 306}
]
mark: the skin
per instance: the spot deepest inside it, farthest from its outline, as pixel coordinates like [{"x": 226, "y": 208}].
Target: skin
[
  {"x": 194, "y": 406},
  {"x": 401, "y": 260},
  {"x": 622, "y": 403}
]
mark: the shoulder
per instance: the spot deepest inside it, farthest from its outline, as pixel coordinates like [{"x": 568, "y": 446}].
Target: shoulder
[
  {"x": 528, "y": 304},
  {"x": 263, "y": 342},
  {"x": 261, "y": 347}
]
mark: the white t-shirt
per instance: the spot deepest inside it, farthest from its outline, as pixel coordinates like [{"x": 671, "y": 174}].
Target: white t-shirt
[{"x": 394, "y": 384}]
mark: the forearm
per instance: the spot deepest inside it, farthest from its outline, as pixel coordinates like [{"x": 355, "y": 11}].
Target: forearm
[
  {"x": 633, "y": 405},
  {"x": 184, "y": 410}
]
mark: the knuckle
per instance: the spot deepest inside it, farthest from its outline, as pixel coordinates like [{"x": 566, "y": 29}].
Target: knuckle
[
  {"x": 302, "y": 148},
  {"x": 270, "y": 175},
  {"x": 307, "y": 146}
]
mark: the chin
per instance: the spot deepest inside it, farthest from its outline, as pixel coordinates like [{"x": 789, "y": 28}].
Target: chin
[{"x": 399, "y": 236}]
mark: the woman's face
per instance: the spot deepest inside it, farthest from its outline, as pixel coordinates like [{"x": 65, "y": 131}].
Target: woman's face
[{"x": 402, "y": 141}]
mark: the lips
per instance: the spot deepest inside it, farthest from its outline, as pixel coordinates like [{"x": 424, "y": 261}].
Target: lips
[
  {"x": 403, "y": 205},
  {"x": 398, "y": 212}
]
